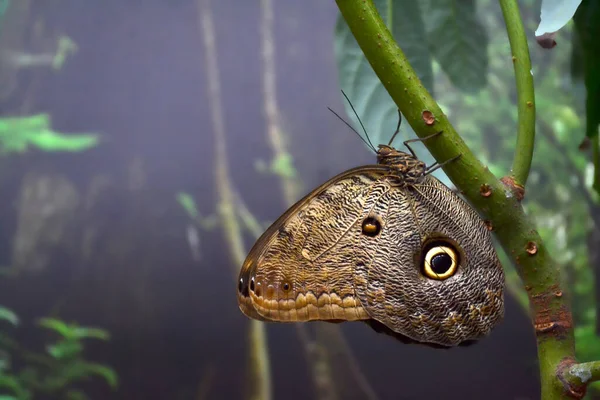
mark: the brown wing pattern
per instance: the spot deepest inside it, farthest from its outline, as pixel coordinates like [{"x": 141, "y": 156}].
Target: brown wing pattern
[
  {"x": 316, "y": 262},
  {"x": 396, "y": 293},
  {"x": 301, "y": 269}
]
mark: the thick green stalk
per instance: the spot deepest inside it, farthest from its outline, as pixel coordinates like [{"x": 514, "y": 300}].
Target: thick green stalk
[
  {"x": 525, "y": 92},
  {"x": 497, "y": 202}
]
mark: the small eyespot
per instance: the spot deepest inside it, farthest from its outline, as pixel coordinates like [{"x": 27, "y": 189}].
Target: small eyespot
[
  {"x": 371, "y": 226},
  {"x": 440, "y": 262},
  {"x": 258, "y": 291},
  {"x": 252, "y": 284},
  {"x": 243, "y": 288},
  {"x": 286, "y": 286}
]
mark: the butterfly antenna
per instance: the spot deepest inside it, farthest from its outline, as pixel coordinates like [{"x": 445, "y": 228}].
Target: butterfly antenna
[
  {"x": 397, "y": 128},
  {"x": 353, "y": 130},
  {"x": 360, "y": 122}
]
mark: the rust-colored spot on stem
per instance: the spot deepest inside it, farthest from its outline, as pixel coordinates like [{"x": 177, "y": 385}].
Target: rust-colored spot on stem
[
  {"x": 485, "y": 190},
  {"x": 550, "y": 319},
  {"x": 531, "y": 248},
  {"x": 516, "y": 189},
  {"x": 428, "y": 117},
  {"x": 585, "y": 144},
  {"x": 488, "y": 225},
  {"x": 572, "y": 389}
]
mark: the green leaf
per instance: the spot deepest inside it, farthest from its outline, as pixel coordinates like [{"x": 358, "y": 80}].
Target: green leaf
[
  {"x": 13, "y": 384},
  {"x": 17, "y": 134},
  {"x": 8, "y": 315},
  {"x": 357, "y": 79},
  {"x": 53, "y": 141},
  {"x": 90, "y": 333},
  {"x": 458, "y": 42},
  {"x": 588, "y": 31},
  {"x": 189, "y": 205},
  {"x": 76, "y": 395},
  {"x": 65, "y": 47},
  {"x": 283, "y": 166},
  {"x": 56, "y": 325},
  {"x": 109, "y": 375},
  {"x": 73, "y": 331},
  {"x": 65, "y": 350},
  {"x": 555, "y": 14},
  {"x": 15, "y": 125}
]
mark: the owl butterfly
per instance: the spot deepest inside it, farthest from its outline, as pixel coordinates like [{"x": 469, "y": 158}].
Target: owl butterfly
[{"x": 388, "y": 244}]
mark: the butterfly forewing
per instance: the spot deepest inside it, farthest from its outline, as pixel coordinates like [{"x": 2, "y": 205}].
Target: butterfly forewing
[{"x": 302, "y": 268}]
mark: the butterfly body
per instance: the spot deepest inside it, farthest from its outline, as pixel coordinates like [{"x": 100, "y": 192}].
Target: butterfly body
[{"x": 385, "y": 243}]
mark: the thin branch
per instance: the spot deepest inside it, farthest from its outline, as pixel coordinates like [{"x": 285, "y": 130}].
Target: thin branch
[
  {"x": 585, "y": 373},
  {"x": 498, "y": 203},
  {"x": 525, "y": 91},
  {"x": 575, "y": 377},
  {"x": 319, "y": 361},
  {"x": 271, "y": 108},
  {"x": 248, "y": 220},
  {"x": 259, "y": 355}
]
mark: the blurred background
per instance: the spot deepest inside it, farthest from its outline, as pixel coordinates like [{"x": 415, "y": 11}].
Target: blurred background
[{"x": 146, "y": 144}]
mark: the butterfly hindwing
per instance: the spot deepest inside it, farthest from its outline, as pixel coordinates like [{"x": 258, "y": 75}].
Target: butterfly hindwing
[{"x": 393, "y": 287}]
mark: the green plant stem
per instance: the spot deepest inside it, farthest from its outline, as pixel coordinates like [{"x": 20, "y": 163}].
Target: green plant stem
[
  {"x": 583, "y": 373},
  {"x": 525, "y": 91},
  {"x": 551, "y": 315},
  {"x": 259, "y": 355},
  {"x": 596, "y": 161}
]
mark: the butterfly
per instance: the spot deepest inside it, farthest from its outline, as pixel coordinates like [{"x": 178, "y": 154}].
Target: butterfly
[{"x": 387, "y": 244}]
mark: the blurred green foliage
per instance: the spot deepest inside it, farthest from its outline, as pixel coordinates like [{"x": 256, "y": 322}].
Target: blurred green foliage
[
  {"x": 65, "y": 47},
  {"x": 18, "y": 134},
  {"x": 187, "y": 202},
  {"x": 55, "y": 373},
  {"x": 3, "y": 7},
  {"x": 281, "y": 165},
  {"x": 8, "y": 315},
  {"x": 587, "y": 29}
]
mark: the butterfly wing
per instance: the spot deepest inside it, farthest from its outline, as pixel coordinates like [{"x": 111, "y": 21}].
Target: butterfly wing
[
  {"x": 318, "y": 262},
  {"x": 302, "y": 267},
  {"x": 392, "y": 286}
]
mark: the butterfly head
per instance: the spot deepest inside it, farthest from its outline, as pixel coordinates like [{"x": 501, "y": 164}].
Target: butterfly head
[{"x": 406, "y": 164}]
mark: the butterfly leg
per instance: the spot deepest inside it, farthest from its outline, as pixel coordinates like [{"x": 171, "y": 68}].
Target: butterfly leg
[
  {"x": 406, "y": 142},
  {"x": 436, "y": 165}
]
